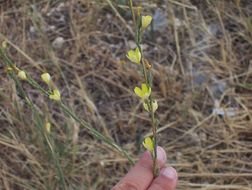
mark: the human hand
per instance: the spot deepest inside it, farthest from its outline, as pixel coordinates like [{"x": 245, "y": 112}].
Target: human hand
[{"x": 140, "y": 177}]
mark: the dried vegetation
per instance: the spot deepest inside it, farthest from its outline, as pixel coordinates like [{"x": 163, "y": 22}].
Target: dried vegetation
[{"x": 201, "y": 52}]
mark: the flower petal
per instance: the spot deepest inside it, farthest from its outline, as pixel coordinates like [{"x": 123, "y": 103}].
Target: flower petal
[
  {"x": 138, "y": 92},
  {"x": 134, "y": 56},
  {"x": 146, "y": 20},
  {"x": 148, "y": 144},
  {"x": 144, "y": 88},
  {"x": 138, "y": 55}
]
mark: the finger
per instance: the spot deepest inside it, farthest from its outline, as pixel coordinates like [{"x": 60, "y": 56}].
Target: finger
[
  {"x": 141, "y": 176},
  {"x": 167, "y": 180}
]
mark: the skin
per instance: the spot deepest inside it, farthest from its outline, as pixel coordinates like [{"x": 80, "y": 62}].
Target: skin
[{"x": 140, "y": 177}]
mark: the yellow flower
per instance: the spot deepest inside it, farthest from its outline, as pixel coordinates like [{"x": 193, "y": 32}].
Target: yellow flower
[
  {"x": 134, "y": 56},
  {"x": 148, "y": 144},
  {"x": 154, "y": 106},
  {"x": 4, "y": 44},
  {"x": 46, "y": 78},
  {"x": 143, "y": 92},
  {"x": 146, "y": 20},
  {"x": 55, "y": 95},
  {"x": 48, "y": 127},
  {"x": 22, "y": 75}
]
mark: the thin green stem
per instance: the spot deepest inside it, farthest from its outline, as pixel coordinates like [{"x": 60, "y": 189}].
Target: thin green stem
[
  {"x": 70, "y": 113},
  {"x": 40, "y": 129},
  {"x": 147, "y": 73},
  {"x": 132, "y": 11},
  {"x": 154, "y": 131},
  {"x": 94, "y": 132}
]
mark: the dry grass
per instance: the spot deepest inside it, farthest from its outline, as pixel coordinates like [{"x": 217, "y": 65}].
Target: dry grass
[{"x": 201, "y": 60}]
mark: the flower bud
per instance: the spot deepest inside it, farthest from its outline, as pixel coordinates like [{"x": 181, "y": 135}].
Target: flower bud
[
  {"x": 46, "y": 78},
  {"x": 22, "y": 75}
]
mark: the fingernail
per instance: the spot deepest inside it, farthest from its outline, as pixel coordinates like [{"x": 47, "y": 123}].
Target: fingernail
[
  {"x": 169, "y": 172},
  {"x": 161, "y": 155}
]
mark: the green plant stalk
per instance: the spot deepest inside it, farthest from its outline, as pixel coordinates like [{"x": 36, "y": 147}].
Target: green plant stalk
[
  {"x": 150, "y": 99},
  {"x": 132, "y": 11},
  {"x": 53, "y": 154},
  {"x": 70, "y": 113},
  {"x": 96, "y": 133},
  {"x": 154, "y": 131}
]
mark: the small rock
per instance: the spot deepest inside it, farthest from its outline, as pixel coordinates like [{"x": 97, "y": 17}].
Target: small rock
[
  {"x": 58, "y": 42},
  {"x": 229, "y": 112},
  {"x": 32, "y": 30}
]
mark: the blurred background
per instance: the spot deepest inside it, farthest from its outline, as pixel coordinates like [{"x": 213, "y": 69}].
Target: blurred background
[{"x": 201, "y": 54}]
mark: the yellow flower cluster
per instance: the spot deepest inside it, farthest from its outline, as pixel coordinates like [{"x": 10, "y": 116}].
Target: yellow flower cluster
[
  {"x": 46, "y": 78},
  {"x": 144, "y": 93},
  {"x": 55, "y": 94},
  {"x": 135, "y": 55}
]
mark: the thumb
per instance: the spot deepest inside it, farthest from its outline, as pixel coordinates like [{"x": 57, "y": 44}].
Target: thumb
[
  {"x": 141, "y": 176},
  {"x": 167, "y": 180}
]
